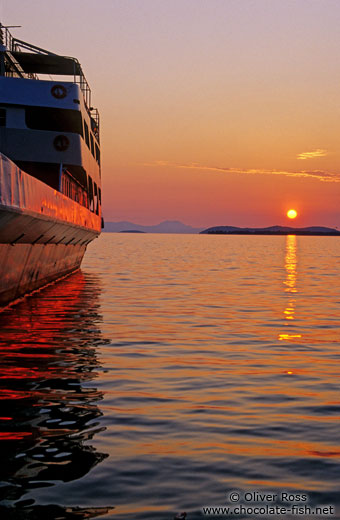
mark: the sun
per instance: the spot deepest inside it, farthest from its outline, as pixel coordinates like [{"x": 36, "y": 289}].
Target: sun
[{"x": 291, "y": 213}]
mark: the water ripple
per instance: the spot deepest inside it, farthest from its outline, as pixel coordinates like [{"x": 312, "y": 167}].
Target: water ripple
[{"x": 171, "y": 370}]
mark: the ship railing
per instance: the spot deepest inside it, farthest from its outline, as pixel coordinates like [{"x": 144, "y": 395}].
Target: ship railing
[
  {"x": 16, "y": 45},
  {"x": 78, "y": 74},
  {"x": 84, "y": 86},
  {"x": 7, "y": 40},
  {"x": 72, "y": 188}
]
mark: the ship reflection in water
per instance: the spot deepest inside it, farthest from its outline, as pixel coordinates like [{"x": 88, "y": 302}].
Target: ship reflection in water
[{"x": 48, "y": 414}]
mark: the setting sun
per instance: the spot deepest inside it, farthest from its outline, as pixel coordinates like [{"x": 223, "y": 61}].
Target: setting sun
[{"x": 291, "y": 213}]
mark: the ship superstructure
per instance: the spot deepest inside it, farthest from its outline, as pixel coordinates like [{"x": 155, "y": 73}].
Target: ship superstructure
[{"x": 50, "y": 187}]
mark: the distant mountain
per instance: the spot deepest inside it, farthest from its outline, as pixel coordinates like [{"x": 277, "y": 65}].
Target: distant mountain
[
  {"x": 272, "y": 230},
  {"x": 168, "y": 226}
]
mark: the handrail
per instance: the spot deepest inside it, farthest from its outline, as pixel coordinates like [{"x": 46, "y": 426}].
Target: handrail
[
  {"x": 29, "y": 46},
  {"x": 15, "y": 45},
  {"x": 8, "y": 42},
  {"x": 6, "y": 38}
]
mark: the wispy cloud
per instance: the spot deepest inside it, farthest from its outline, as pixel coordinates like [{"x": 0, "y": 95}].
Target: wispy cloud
[
  {"x": 311, "y": 155},
  {"x": 321, "y": 175}
]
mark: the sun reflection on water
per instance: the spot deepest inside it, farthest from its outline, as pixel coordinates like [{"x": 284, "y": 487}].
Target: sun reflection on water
[{"x": 290, "y": 283}]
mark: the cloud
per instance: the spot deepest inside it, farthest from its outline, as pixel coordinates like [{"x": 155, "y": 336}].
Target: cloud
[
  {"x": 312, "y": 155},
  {"x": 321, "y": 175}
]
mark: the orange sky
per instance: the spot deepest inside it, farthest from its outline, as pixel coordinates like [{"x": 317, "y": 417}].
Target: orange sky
[{"x": 219, "y": 112}]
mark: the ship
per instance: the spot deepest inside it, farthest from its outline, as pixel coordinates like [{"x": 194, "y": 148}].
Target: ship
[{"x": 50, "y": 174}]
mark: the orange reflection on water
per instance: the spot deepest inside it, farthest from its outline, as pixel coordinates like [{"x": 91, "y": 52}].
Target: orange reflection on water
[
  {"x": 247, "y": 445},
  {"x": 193, "y": 381},
  {"x": 288, "y": 484},
  {"x": 46, "y": 357},
  {"x": 291, "y": 264},
  {"x": 290, "y": 283}
]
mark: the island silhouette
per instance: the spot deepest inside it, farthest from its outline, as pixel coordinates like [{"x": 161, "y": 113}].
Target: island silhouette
[
  {"x": 177, "y": 227},
  {"x": 272, "y": 230}
]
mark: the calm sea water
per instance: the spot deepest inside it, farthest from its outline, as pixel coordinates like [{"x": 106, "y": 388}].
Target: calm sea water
[{"x": 170, "y": 371}]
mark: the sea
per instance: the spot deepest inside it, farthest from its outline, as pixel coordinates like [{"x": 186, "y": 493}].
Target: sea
[{"x": 176, "y": 376}]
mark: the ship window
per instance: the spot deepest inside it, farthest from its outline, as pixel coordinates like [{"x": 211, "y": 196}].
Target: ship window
[
  {"x": 2, "y": 117},
  {"x": 86, "y": 128},
  {"x": 94, "y": 128},
  {"x": 55, "y": 119},
  {"x": 97, "y": 154},
  {"x": 96, "y": 200},
  {"x": 91, "y": 195},
  {"x": 92, "y": 144},
  {"x": 82, "y": 127}
]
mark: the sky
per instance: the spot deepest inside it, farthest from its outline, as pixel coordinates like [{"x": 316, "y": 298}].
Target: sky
[{"x": 213, "y": 112}]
